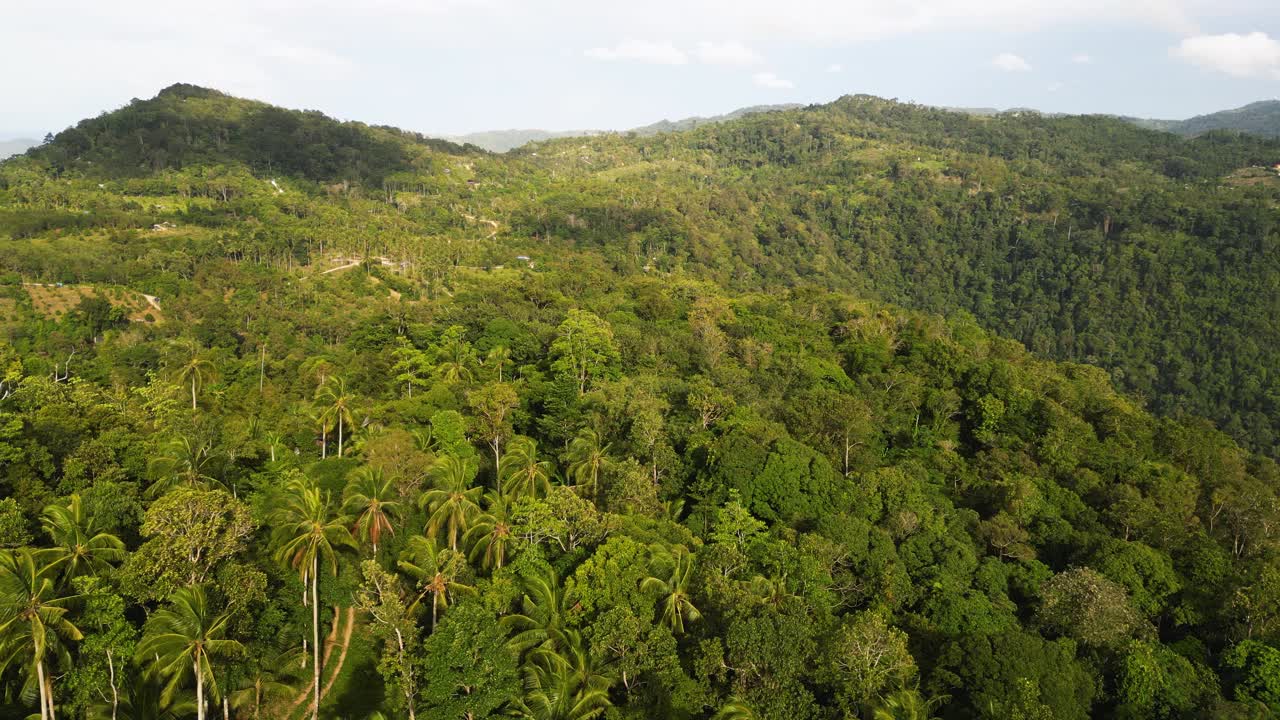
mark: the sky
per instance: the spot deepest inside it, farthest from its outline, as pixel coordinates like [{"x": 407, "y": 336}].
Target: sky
[{"x": 456, "y": 66}]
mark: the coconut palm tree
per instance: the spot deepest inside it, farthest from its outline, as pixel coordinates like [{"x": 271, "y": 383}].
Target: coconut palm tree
[
  {"x": 587, "y": 458},
  {"x": 565, "y": 684},
  {"x": 435, "y": 572},
  {"x": 195, "y": 369},
  {"x": 523, "y": 474},
  {"x": 181, "y": 639},
  {"x": 498, "y": 358},
  {"x": 908, "y": 704},
  {"x": 182, "y": 461},
  {"x": 309, "y": 529},
  {"x": 541, "y": 620},
  {"x": 735, "y": 708},
  {"x": 454, "y": 357},
  {"x": 773, "y": 592},
  {"x": 78, "y": 547},
  {"x": 274, "y": 677},
  {"x": 34, "y": 628},
  {"x": 452, "y": 502},
  {"x": 673, "y": 586},
  {"x": 490, "y": 532},
  {"x": 336, "y": 406},
  {"x": 370, "y": 497}
]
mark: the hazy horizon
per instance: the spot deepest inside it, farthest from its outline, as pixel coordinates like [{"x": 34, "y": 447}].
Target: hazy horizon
[{"x": 452, "y": 67}]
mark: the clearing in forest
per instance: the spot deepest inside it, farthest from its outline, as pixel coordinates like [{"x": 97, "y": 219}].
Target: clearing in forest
[{"x": 55, "y": 301}]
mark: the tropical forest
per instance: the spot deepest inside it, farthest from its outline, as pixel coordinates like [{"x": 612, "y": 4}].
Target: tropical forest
[{"x": 864, "y": 409}]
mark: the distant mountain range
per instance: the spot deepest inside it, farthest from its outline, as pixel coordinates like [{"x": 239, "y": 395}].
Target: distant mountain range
[
  {"x": 1259, "y": 118},
  {"x": 16, "y": 146},
  {"x": 503, "y": 140}
]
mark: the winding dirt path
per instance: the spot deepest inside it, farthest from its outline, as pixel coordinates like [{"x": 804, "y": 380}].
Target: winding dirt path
[
  {"x": 491, "y": 223},
  {"x": 341, "y": 267}
]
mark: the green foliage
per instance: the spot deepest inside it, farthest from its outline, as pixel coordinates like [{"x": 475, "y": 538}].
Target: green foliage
[{"x": 677, "y": 463}]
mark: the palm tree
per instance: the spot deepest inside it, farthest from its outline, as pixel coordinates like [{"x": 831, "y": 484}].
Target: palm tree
[
  {"x": 337, "y": 406},
  {"x": 79, "y": 548},
  {"x": 370, "y": 496},
  {"x": 308, "y": 530},
  {"x": 455, "y": 357},
  {"x": 735, "y": 708},
  {"x": 674, "y": 588},
  {"x": 497, "y": 358},
  {"x": 564, "y": 685},
  {"x": 773, "y": 592},
  {"x": 195, "y": 370},
  {"x": 587, "y": 459},
  {"x": 435, "y": 571},
  {"x": 908, "y": 704},
  {"x": 490, "y": 532},
  {"x": 523, "y": 474},
  {"x": 183, "y": 461},
  {"x": 452, "y": 502},
  {"x": 541, "y": 620},
  {"x": 34, "y": 628},
  {"x": 181, "y": 639},
  {"x": 273, "y": 677},
  {"x": 142, "y": 701}
]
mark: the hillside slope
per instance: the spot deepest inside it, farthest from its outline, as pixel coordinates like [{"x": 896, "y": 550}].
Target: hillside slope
[
  {"x": 1085, "y": 238},
  {"x": 628, "y": 424},
  {"x": 1259, "y": 118}
]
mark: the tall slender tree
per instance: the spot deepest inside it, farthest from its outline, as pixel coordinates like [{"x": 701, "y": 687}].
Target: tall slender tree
[
  {"x": 491, "y": 532},
  {"x": 436, "y": 572},
  {"x": 524, "y": 474},
  {"x": 673, "y": 586},
  {"x": 195, "y": 369},
  {"x": 371, "y": 498},
  {"x": 587, "y": 458},
  {"x": 335, "y": 406},
  {"x": 34, "y": 627},
  {"x": 452, "y": 502},
  {"x": 180, "y": 640},
  {"x": 309, "y": 530}
]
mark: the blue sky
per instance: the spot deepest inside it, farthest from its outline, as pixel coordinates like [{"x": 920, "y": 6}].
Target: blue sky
[{"x": 452, "y": 66}]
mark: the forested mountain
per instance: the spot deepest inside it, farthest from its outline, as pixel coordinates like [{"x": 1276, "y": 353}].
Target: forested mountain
[
  {"x": 1259, "y": 118},
  {"x": 501, "y": 141},
  {"x": 301, "y": 418}
]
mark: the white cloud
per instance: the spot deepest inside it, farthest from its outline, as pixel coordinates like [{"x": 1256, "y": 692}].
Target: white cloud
[
  {"x": 771, "y": 80},
  {"x": 1082, "y": 59},
  {"x": 1249, "y": 55},
  {"x": 726, "y": 53},
  {"x": 1011, "y": 63},
  {"x": 641, "y": 51},
  {"x": 1055, "y": 87},
  {"x": 835, "y": 68}
]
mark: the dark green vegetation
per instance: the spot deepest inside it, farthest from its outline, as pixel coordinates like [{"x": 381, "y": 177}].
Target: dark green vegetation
[
  {"x": 686, "y": 461},
  {"x": 1260, "y": 118}
]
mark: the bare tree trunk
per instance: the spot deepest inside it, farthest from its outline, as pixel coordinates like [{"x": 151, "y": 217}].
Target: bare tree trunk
[
  {"x": 44, "y": 697},
  {"x": 193, "y": 392},
  {"x": 339, "y": 436},
  {"x": 199, "y": 689},
  {"x": 115, "y": 692},
  {"x": 315, "y": 634}
]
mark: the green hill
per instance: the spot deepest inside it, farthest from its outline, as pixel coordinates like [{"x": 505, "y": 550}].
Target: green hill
[
  {"x": 855, "y": 410},
  {"x": 1259, "y": 118}
]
